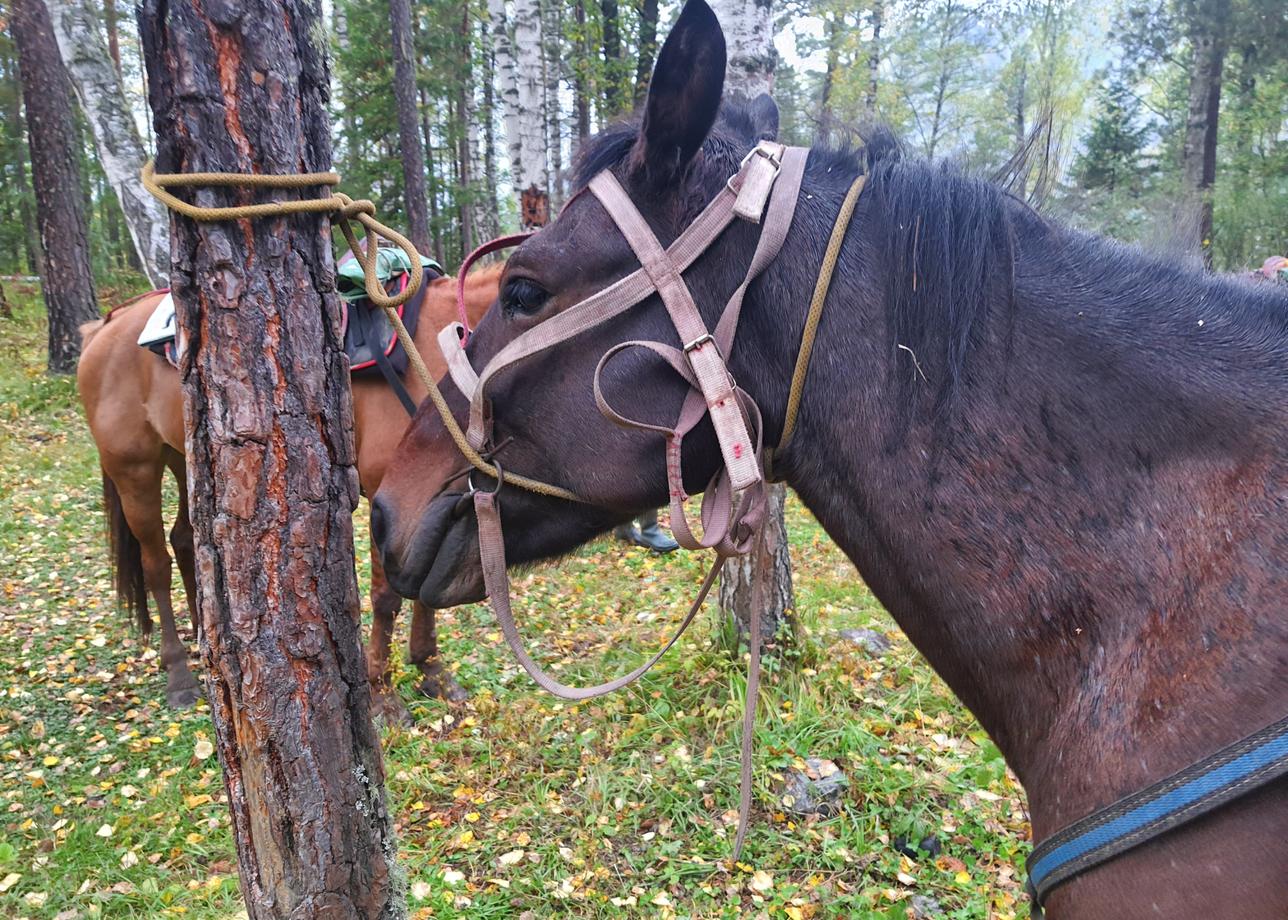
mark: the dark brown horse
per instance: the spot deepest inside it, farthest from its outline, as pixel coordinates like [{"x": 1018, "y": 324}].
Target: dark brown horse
[
  {"x": 134, "y": 406},
  {"x": 1060, "y": 463}
]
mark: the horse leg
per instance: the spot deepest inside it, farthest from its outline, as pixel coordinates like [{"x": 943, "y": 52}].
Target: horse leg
[
  {"x": 437, "y": 681},
  {"x": 384, "y": 610},
  {"x": 141, "y": 502},
  {"x": 182, "y": 544}
]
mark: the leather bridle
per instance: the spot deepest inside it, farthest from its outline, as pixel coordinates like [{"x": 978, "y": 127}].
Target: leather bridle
[{"x": 764, "y": 191}]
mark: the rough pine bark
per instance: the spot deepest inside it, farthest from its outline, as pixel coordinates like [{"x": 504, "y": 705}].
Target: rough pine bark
[
  {"x": 1208, "y": 29},
  {"x": 413, "y": 154},
  {"x": 242, "y": 86},
  {"x": 97, "y": 81},
  {"x": 67, "y": 282},
  {"x": 749, "y": 30},
  {"x": 518, "y": 64},
  {"x": 581, "y": 77},
  {"x": 612, "y": 43}
]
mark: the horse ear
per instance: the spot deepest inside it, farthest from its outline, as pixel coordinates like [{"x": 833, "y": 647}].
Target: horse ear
[
  {"x": 684, "y": 94},
  {"x": 764, "y": 117}
]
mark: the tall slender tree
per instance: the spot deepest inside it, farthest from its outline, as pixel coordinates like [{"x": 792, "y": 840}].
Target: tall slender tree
[
  {"x": 98, "y": 86},
  {"x": 271, "y": 476},
  {"x": 67, "y": 280},
  {"x": 516, "y": 35},
  {"x": 1207, "y": 23},
  {"x": 413, "y": 154}
]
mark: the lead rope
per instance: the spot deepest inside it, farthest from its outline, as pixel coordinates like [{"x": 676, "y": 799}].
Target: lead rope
[
  {"x": 345, "y": 209},
  {"x": 491, "y": 539}
]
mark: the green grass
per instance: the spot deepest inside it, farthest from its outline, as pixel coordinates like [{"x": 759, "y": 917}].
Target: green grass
[{"x": 515, "y": 804}]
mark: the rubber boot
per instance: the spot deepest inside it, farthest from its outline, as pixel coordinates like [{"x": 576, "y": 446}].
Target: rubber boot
[{"x": 653, "y": 536}]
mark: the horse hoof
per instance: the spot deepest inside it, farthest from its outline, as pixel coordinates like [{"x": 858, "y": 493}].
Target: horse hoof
[
  {"x": 443, "y": 687},
  {"x": 388, "y": 708},
  {"x": 183, "y": 697}
]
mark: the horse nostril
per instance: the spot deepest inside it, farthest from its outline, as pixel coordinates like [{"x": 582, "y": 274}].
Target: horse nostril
[{"x": 379, "y": 523}]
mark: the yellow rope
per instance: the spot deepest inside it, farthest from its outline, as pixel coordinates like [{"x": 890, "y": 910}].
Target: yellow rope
[
  {"x": 345, "y": 209},
  {"x": 821, "y": 287}
]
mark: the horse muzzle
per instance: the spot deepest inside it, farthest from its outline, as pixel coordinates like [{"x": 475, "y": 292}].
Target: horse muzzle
[{"x": 434, "y": 560}]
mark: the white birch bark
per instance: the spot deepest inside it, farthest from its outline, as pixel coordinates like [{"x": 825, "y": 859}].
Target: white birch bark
[
  {"x": 749, "y": 37},
  {"x": 83, "y": 48},
  {"x": 517, "y": 41}
]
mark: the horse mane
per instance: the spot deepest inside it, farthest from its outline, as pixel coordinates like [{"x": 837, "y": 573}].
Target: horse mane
[{"x": 951, "y": 248}]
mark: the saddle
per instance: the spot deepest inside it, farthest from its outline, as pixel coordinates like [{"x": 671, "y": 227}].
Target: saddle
[
  {"x": 370, "y": 341},
  {"x": 160, "y": 331}
]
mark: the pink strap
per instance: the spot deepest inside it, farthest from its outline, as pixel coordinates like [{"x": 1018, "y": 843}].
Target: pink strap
[
  {"x": 497, "y": 581},
  {"x": 451, "y": 343},
  {"x": 496, "y": 245}
]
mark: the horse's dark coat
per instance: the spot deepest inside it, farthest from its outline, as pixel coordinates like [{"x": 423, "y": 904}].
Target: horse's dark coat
[{"x": 1060, "y": 462}]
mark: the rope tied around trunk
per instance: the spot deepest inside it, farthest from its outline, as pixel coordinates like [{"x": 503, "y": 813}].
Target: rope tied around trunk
[{"x": 345, "y": 210}]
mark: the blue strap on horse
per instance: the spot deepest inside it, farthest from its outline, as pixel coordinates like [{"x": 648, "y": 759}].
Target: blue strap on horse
[{"x": 1228, "y": 774}]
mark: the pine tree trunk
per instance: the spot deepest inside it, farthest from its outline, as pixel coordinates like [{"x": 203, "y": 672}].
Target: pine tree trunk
[
  {"x": 30, "y": 235},
  {"x": 612, "y": 44},
  {"x": 748, "y": 26},
  {"x": 270, "y": 454},
  {"x": 488, "y": 210},
  {"x": 116, "y": 137},
  {"x": 464, "y": 149},
  {"x": 67, "y": 280},
  {"x": 647, "y": 49},
  {"x": 581, "y": 81},
  {"x": 413, "y": 155},
  {"x": 1208, "y": 39},
  {"x": 833, "y": 34},
  {"x": 113, "y": 35}
]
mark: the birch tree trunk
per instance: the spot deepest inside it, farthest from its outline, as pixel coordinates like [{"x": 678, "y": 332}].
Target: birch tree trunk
[
  {"x": 243, "y": 87},
  {"x": 67, "y": 282},
  {"x": 116, "y": 137},
  {"x": 874, "y": 60},
  {"x": 552, "y": 40},
  {"x": 749, "y": 30},
  {"x": 518, "y": 64},
  {"x": 413, "y": 155},
  {"x": 749, "y": 37}
]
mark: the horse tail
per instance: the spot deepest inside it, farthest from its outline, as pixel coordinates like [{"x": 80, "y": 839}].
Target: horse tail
[
  {"x": 127, "y": 558},
  {"x": 89, "y": 330}
]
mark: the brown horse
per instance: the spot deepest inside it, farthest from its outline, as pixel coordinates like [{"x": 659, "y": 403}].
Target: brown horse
[
  {"x": 134, "y": 406},
  {"x": 1060, "y": 463}
]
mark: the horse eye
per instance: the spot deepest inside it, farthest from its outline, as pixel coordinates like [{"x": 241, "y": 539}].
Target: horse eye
[{"x": 522, "y": 295}]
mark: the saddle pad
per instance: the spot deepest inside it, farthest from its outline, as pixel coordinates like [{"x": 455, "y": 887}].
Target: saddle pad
[
  {"x": 369, "y": 337},
  {"x": 161, "y": 325},
  {"x": 161, "y": 330}
]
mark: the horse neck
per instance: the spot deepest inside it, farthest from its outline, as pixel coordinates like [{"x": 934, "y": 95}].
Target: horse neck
[{"x": 1090, "y": 547}]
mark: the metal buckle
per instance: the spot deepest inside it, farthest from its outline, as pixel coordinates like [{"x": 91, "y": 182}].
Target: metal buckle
[
  {"x": 699, "y": 342},
  {"x": 758, "y": 150}
]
